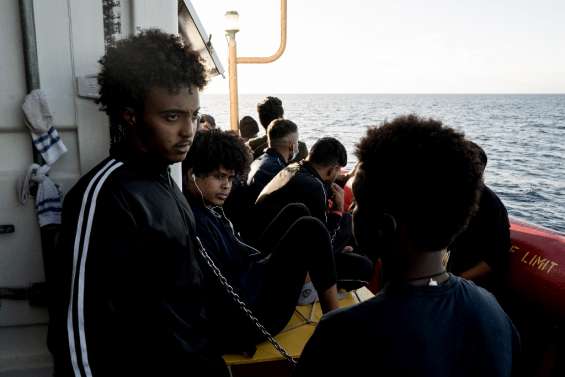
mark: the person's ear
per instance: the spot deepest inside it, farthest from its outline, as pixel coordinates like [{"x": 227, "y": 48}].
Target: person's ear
[{"x": 128, "y": 115}]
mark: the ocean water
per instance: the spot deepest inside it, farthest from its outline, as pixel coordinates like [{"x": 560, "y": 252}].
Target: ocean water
[{"x": 523, "y": 136}]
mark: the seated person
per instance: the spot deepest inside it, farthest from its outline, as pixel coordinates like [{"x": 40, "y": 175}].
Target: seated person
[
  {"x": 416, "y": 187},
  {"x": 269, "y": 281},
  {"x": 282, "y": 136},
  {"x": 307, "y": 182},
  {"x": 206, "y": 122},
  {"x": 248, "y": 128},
  {"x": 269, "y": 109},
  {"x": 481, "y": 252}
]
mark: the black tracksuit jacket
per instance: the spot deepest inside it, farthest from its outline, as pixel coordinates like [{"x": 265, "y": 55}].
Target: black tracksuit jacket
[{"x": 129, "y": 295}]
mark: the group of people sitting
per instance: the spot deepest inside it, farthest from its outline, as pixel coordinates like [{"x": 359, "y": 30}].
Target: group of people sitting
[{"x": 147, "y": 272}]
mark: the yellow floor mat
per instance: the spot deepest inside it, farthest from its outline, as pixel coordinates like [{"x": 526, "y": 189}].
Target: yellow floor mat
[{"x": 297, "y": 332}]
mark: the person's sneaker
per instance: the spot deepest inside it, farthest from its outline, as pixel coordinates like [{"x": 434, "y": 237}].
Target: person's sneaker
[{"x": 308, "y": 295}]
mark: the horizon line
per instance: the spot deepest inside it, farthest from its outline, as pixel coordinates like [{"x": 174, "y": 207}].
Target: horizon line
[{"x": 404, "y": 93}]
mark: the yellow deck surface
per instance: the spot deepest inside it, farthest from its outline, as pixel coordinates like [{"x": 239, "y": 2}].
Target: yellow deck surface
[{"x": 297, "y": 331}]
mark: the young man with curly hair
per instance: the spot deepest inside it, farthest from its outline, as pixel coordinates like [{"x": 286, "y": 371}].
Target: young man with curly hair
[
  {"x": 268, "y": 279},
  {"x": 130, "y": 299},
  {"x": 417, "y": 184}
]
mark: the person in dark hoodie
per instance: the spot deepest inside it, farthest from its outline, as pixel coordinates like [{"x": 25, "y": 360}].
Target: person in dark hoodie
[
  {"x": 269, "y": 281},
  {"x": 129, "y": 296}
]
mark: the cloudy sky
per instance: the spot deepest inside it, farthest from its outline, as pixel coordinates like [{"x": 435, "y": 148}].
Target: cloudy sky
[{"x": 400, "y": 46}]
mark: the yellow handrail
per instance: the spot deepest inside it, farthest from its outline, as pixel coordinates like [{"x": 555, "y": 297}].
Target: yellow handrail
[
  {"x": 282, "y": 46},
  {"x": 233, "y": 61}
]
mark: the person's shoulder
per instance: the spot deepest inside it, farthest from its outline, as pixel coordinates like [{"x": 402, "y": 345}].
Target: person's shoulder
[
  {"x": 490, "y": 202},
  {"x": 257, "y": 141},
  {"x": 95, "y": 177},
  {"x": 305, "y": 178},
  {"x": 264, "y": 159},
  {"x": 477, "y": 301}
]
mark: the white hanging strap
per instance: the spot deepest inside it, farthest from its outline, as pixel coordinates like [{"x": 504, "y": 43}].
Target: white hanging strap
[
  {"x": 24, "y": 184},
  {"x": 48, "y": 202},
  {"x": 39, "y": 120}
]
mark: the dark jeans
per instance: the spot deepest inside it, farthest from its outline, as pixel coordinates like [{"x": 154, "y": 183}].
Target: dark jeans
[
  {"x": 295, "y": 243},
  {"x": 299, "y": 243},
  {"x": 353, "y": 270}
]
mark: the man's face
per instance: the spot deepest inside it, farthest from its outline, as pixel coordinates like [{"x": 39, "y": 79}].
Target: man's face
[
  {"x": 216, "y": 186},
  {"x": 205, "y": 125},
  {"x": 169, "y": 123},
  {"x": 293, "y": 145},
  {"x": 333, "y": 173}
]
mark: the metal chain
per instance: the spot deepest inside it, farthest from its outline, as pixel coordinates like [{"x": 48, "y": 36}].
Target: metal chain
[{"x": 229, "y": 289}]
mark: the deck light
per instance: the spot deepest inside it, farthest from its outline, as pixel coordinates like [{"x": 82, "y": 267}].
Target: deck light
[{"x": 232, "y": 22}]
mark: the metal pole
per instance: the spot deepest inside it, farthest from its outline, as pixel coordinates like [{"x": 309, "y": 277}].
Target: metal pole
[
  {"x": 232, "y": 67},
  {"x": 233, "y": 61},
  {"x": 27, "y": 19},
  {"x": 30, "y": 44}
]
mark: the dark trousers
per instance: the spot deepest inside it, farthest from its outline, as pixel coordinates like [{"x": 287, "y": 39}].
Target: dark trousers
[
  {"x": 298, "y": 243},
  {"x": 353, "y": 270},
  {"x": 295, "y": 243}
]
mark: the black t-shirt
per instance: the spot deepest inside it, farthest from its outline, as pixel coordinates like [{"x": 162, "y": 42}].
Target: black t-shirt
[
  {"x": 455, "y": 329},
  {"x": 487, "y": 238}
]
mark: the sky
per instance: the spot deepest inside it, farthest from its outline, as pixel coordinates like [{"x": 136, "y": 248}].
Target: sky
[{"x": 395, "y": 46}]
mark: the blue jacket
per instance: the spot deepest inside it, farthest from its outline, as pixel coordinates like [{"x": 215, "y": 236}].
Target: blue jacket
[
  {"x": 262, "y": 170},
  {"x": 241, "y": 265}
]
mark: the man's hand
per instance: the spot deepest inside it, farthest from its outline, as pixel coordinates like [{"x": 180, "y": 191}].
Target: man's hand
[
  {"x": 337, "y": 197},
  {"x": 477, "y": 273}
]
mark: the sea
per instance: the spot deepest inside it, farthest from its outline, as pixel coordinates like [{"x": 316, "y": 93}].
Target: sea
[{"x": 523, "y": 135}]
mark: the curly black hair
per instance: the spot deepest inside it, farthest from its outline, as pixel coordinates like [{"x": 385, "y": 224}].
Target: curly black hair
[
  {"x": 213, "y": 149},
  {"x": 132, "y": 66},
  {"x": 269, "y": 109},
  {"x": 426, "y": 175}
]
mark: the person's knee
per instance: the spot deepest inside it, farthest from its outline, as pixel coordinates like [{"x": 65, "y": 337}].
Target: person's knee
[
  {"x": 297, "y": 209},
  {"x": 311, "y": 225}
]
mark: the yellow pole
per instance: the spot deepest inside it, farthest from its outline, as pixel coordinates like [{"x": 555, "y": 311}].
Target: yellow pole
[
  {"x": 232, "y": 67},
  {"x": 233, "y": 61}
]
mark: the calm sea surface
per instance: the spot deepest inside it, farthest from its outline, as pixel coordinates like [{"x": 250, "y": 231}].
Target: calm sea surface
[{"x": 523, "y": 136}]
